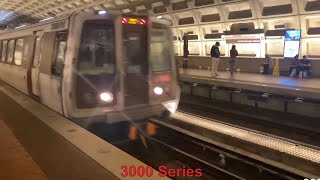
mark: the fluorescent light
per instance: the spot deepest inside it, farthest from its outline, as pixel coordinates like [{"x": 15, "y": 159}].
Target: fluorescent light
[
  {"x": 102, "y": 12},
  {"x": 20, "y": 26},
  {"x": 46, "y": 19},
  {"x": 159, "y": 17}
]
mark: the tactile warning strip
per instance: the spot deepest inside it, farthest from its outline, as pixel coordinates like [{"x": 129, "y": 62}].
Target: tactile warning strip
[{"x": 253, "y": 137}]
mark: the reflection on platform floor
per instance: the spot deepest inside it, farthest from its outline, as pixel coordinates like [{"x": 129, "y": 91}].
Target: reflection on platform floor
[{"x": 15, "y": 162}]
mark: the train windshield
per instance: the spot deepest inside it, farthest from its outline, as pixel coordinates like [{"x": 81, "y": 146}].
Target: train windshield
[
  {"x": 135, "y": 48},
  {"x": 97, "y": 51},
  {"x": 161, "y": 48}
]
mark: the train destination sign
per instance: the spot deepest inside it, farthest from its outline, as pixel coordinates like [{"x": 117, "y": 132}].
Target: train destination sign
[
  {"x": 131, "y": 20},
  {"x": 244, "y": 38},
  {"x": 240, "y": 41}
]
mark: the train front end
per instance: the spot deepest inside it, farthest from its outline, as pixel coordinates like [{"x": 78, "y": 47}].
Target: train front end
[{"x": 123, "y": 69}]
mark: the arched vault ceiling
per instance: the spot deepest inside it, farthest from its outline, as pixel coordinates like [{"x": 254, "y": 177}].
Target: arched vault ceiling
[{"x": 198, "y": 17}]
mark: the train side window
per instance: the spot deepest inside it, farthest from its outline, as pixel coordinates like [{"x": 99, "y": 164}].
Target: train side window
[
  {"x": 37, "y": 50},
  {"x": 160, "y": 48},
  {"x": 10, "y": 52},
  {"x": 4, "y": 50},
  {"x": 58, "y": 63},
  {"x": 18, "y": 52}
]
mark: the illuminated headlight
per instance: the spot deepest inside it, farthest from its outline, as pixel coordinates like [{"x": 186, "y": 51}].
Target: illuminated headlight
[
  {"x": 106, "y": 97},
  {"x": 158, "y": 90}
]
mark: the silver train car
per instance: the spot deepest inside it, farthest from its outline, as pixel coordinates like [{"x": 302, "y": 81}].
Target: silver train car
[{"x": 114, "y": 66}]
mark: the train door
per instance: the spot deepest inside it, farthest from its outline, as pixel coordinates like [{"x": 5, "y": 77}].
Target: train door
[
  {"x": 35, "y": 65},
  {"x": 51, "y": 67},
  {"x": 135, "y": 45}
]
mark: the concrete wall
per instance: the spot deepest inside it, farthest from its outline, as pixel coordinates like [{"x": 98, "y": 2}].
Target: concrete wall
[{"x": 250, "y": 65}]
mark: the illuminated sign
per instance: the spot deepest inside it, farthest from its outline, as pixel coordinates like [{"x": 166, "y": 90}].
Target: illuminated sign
[
  {"x": 133, "y": 21},
  {"x": 291, "y": 43},
  {"x": 162, "y": 78},
  {"x": 243, "y": 39},
  {"x": 240, "y": 41}
]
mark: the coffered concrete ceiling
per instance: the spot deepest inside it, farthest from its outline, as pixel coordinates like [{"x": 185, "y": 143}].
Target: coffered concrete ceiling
[{"x": 199, "y": 17}]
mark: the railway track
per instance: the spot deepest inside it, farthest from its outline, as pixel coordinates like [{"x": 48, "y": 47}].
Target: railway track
[{"x": 174, "y": 149}]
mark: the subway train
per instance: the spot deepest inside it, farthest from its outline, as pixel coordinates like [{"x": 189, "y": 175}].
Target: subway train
[{"x": 103, "y": 66}]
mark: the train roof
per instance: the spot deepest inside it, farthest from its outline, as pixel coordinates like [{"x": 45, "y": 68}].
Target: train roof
[
  {"x": 43, "y": 23},
  {"x": 61, "y": 18}
]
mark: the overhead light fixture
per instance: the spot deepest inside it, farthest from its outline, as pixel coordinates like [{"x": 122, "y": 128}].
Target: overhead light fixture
[
  {"x": 237, "y": 91},
  {"x": 102, "y": 12},
  {"x": 46, "y": 19},
  {"x": 159, "y": 17},
  {"x": 300, "y": 100}
]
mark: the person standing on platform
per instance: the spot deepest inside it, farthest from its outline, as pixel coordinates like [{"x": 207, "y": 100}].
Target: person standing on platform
[
  {"x": 215, "y": 55},
  {"x": 265, "y": 64},
  {"x": 233, "y": 58},
  {"x": 269, "y": 63}
]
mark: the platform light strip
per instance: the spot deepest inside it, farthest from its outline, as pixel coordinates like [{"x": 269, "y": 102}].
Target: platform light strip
[
  {"x": 263, "y": 140},
  {"x": 46, "y": 19}
]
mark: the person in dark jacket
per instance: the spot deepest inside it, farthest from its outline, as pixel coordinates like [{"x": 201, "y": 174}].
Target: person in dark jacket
[
  {"x": 233, "y": 58},
  {"x": 215, "y": 55},
  {"x": 305, "y": 65}
]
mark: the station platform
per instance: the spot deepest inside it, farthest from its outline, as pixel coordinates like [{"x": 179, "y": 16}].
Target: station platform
[
  {"x": 37, "y": 143},
  {"x": 276, "y": 93},
  {"x": 286, "y": 86},
  {"x": 16, "y": 163}
]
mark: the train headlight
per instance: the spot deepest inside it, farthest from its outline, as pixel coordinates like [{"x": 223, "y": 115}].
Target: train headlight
[
  {"x": 106, "y": 96},
  {"x": 158, "y": 90}
]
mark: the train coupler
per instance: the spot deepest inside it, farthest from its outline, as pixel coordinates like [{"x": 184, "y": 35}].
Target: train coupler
[{"x": 145, "y": 129}]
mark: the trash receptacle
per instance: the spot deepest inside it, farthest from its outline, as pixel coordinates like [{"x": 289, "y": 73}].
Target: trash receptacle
[{"x": 266, "y": 68}]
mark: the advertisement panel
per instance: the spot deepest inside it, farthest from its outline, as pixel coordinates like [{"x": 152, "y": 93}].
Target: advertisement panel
[{"x": 291, "y": 43}]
